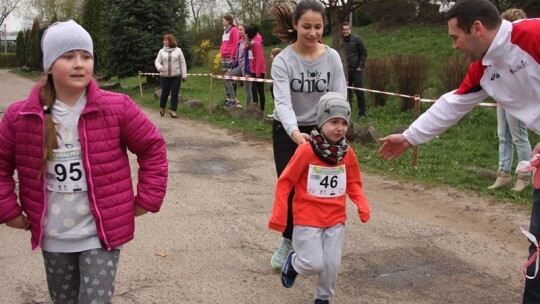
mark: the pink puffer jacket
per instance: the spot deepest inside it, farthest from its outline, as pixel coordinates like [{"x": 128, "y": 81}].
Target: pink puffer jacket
[{"x": 110, "y": 124}]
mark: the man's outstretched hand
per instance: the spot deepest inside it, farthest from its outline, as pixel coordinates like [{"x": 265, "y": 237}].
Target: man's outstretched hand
[{"x": 393, "y": 146}]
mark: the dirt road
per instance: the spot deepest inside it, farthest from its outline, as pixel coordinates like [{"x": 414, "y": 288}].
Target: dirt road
[{"x": 210, "y": 244}]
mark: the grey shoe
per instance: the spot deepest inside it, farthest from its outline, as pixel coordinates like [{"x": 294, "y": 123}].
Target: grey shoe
[
  {"x": 280, "y": 255},
  {"x": 503, "y": 179}
]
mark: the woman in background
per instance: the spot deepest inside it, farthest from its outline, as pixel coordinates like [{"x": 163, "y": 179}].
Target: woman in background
[{"x": 171, "y": 64}]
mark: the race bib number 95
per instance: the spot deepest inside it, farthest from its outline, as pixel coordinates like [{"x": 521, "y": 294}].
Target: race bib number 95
[
  {"x": 65, "y": 172},
  {"x": 327, "y": 181}
]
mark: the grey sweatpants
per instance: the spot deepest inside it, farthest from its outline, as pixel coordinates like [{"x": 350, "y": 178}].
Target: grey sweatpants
[
  {"x": 247, "y": 85},
  {"x": 81, "y": 277},
  {"x": 318, "y": 251}
]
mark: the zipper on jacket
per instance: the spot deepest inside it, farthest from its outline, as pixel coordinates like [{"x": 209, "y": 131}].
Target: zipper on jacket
[{"x": 104, "y": 242}]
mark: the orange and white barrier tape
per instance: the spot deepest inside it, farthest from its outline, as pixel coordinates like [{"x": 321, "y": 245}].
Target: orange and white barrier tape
[
  {"x": 242, "y": 78},
  {"x": 485, "y": 104},
  {"x": 246, "y": 78}
]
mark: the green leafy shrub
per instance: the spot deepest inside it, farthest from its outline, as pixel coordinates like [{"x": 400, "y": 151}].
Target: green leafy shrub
[
  {"x": 8, "y": 60},
  {"x": 202, "y": 51}
]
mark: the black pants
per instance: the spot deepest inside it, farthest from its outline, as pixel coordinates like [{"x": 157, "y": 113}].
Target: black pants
[
  {"x": 531, "y": 294},
  {"x": 257, "y": 90},
  {"x": 356, "y": 79},
  {"x": 169, "y": 85},
  {"x": 284, "y": 148}
]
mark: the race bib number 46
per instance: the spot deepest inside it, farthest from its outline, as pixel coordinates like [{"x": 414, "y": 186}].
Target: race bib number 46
[
  {"x": 65, "y": 172},
  {"x": 327, "y": 181}
]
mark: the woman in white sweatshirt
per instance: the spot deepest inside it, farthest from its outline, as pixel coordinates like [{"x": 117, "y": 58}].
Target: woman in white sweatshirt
[{"x": 171, "y": 64}]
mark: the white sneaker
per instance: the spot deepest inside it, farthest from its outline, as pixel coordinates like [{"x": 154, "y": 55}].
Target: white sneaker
[{"x": 280, "y": 255}]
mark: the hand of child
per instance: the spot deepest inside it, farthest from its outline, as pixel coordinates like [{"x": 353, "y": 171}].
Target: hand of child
[
  {"x": 140, "y": 211},
  {"x": 364, "y": 216},
  {"x": 20, "y": 222}
]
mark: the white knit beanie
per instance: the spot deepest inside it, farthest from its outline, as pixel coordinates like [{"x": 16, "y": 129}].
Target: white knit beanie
[
  {"x": 62, "y": 37},
  {"x": 333, "y": 105}
]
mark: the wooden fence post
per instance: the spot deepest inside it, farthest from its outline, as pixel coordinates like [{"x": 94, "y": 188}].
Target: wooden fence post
[
  {"x": 416, "y": 115},
  {"x": 140, "y": 85},
  {"x": 211, "y": 92}
]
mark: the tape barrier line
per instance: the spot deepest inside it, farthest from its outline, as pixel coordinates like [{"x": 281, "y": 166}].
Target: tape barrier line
[
  {"x": 242, "y": 78},
  {"x": 484, "y": 104}
]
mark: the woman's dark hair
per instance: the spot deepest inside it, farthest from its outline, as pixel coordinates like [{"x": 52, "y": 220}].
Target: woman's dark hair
[
  {"x": 251, "y": 31},
  {"x": 468, "y": 11},
  {"x": 171, "y": 39},
  {"x": 229, "y": 19},
  {"x": 287, "y": 15}
]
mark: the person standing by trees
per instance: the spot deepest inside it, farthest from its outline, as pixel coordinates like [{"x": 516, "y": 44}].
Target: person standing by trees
[
  {"x": 505, "y": 65},
  {"x": 257, "y": 64},
  {"x": 239, "y": 67},
  {"x": 303, "y": 72},
  {"x": 171, "y": 64},
  {"x": 356, "y": 55},
  {"x": 511, "y": 131},
  {"x": 229, "y": 48}
]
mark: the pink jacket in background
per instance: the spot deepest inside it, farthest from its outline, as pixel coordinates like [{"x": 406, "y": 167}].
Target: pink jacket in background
[
  {"x": 109, "y": 125},
  {"x": 229, "y": 43},
  {"x": 257, "y": 61}
]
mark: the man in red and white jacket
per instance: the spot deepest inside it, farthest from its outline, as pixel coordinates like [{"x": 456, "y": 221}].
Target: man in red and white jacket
[{"x": 506, "y": 67}]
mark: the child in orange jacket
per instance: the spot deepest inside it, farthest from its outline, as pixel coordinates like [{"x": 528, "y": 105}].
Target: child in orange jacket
[{"x": 322, "y": 171}]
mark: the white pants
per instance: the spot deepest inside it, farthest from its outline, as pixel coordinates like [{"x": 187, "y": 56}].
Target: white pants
[{"x": 318, "y": 251}]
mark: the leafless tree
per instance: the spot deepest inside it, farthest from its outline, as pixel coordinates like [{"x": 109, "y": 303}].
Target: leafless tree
[
  {"x": 195, "y": 8},
  {"x": 339, "y": 11},
  {"x": 6, "y": 7},
  {"x": 47, "y": 10}
]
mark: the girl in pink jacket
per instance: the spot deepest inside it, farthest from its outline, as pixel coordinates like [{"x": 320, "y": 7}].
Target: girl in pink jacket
[
  {"x": 257, "y": 64},
  {"x": 68, "y": 143},
  {"x": 228, "y": 49}
]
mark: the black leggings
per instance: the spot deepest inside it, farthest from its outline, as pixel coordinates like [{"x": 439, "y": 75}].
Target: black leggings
[
  {"x": 257, "y": 90},
  {"x": 284, "y": 148},
  {"x": 169, "y": 85}
]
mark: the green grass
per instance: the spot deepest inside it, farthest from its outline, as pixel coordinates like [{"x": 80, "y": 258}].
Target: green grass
[{"x": 472, "y": 143}]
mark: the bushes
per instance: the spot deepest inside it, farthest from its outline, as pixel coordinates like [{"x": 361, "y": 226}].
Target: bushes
[
  {"x": 214, "y": 62},
  {"x": 201, "y": 52},
  {"x": 378, "y": 75},
  {"x": 411, "y": 75},
  {"x": 453, "y": 72},
  {"x": 8, "y": 60}
]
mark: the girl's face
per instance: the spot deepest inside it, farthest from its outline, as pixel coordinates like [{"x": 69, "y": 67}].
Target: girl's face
[
  {"x": 241, "y": 31},
  {"x": 165, "y": 42},
  {"x": 309, "y": 28},
  {"x": 334, "y": 129},
  {"x": 72, "y": 72},
  {"x": 224, "y": 22}
]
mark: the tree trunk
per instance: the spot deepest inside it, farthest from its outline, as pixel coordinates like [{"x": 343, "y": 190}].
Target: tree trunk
[{"x": 336, "y": 24}]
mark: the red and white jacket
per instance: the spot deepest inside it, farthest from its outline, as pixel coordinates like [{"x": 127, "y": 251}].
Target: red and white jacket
[{"x": 509, "y": 73}]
